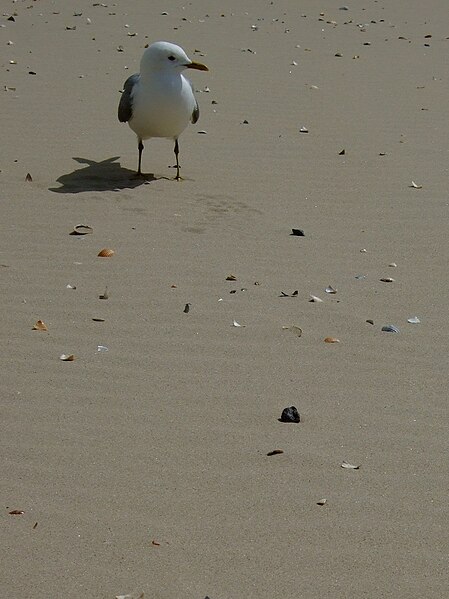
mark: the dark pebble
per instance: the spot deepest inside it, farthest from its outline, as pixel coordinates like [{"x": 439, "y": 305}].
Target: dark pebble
[{"x": 290, "y": 415}]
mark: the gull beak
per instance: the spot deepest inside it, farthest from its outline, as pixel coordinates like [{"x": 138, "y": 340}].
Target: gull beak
[{"x": 197, "y": 65}]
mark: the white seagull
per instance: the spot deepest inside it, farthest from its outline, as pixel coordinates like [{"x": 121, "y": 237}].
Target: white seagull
[{"x": 159, "y": 101}]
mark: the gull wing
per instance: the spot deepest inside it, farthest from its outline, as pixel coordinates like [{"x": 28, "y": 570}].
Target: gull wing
[
  {"x": 196, "y": 111},
  {"x": 125, "y": 107}
]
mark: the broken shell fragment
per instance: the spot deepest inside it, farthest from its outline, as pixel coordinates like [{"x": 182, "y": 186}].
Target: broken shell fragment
[
  {"x": 387, "y": 280},
  {"x": 330, "y": 289},
  {"x": 40, "y": 326},
  {"x": 390, "y": 328},
  {"x": 331, "y": 340},
  {"x": 298, "y": 233},
  {"x": 67, "y": 357},
  {"x": 106, "y": 253},
  {"x": 321, "y": 502},
  {"x": 349, "y": 466},
  {"x": 236, "y": 324},
  {"x": 413, "y": 320},
  {"x": 231, "y": 278},
  {"x": 275, "y": 452},
  {"x": 81, "y": 230},
  {"x": 314, "y": 298}
]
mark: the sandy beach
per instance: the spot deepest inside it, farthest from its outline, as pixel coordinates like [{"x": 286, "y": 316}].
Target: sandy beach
[{"x": 140, "y": 468}]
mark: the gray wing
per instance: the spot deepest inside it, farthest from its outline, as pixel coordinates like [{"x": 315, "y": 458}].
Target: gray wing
[
  {"x": 125, "y": 107},
  {"x": 196, "y": 111}
]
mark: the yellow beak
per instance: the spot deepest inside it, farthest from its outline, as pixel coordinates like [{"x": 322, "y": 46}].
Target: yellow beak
[{"x": 197, "y": 65}]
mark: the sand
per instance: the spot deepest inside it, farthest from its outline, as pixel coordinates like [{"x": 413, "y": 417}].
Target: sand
[{"x": 143, "y": 469}]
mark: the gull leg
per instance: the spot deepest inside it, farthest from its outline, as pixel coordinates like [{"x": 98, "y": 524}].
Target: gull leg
[
  {"x": 140, "y": 146},
  {"x": 177, "y": 160}
]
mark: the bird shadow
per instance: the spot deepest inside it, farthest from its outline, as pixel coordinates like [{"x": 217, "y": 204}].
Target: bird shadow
[{"x": 106, "y": 175}]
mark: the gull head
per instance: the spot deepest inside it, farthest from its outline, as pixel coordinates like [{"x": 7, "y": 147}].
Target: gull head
[{"x": 167, "y": 57}]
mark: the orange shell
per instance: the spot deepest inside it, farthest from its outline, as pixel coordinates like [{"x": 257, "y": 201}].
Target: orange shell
[
  {"x": 331, "y": 340},
  {"x": 106, "y": 253},
  {"x": 40, "y": 326}
]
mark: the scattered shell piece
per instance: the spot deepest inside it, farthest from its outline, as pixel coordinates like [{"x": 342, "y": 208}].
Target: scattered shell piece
[
  {"x": 342, "y": 152},
  {"x": 16, "y": 512},
  {"x": 67, "y": 357},
  {"x": 415, "y": 185},
  {"x": 314, "y": 298},
  {"x": 349, "y": 466},
  {"x": 155, "y": 543},
  {"x": 231, "y": 278},
  {"x": 294, "y": 329},
  {"x": 275, "y": 452},
  {"x": 81, "y": 230},
  {"x": 68, "y": 286},
  {"x": 95, "y": 319},
  {"x": 369, "y": 321},
  {"x": 298, "y": 232},
  {"x": 28, "y": 178},
  {"x": 363, "y": 251},
  {"x": 390, "y": 328},
  {"x": 331, "y": 340},
  {"x": 294, "y": 294},
  {"x": 330, "y": 289},
  {"x": 413, "y": 320},
  {"x": 236, "y": 324},
  {"x": 40, "y": 326},
  {"x": 104, "y": 295},
  {"x": 321, "y": 502},
  {"x": 187, "y": 308},
  {"x": 106, "y": 253},
  {"x": 303, "y": 130},
  {"x": 102, "y": 348},
  {"x": 387, "y": 280},
  {"x": 393, "y": 265},
  {"x": 360, "y": 277}
]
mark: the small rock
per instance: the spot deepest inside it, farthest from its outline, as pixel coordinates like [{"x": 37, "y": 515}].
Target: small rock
[{"x": 290, "y": 415}]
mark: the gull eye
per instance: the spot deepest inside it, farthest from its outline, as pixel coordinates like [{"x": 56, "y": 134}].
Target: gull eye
[{"x": 171, "y": 57}]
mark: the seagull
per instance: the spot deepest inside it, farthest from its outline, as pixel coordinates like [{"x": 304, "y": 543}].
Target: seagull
[{"x": 159, "y": 101}]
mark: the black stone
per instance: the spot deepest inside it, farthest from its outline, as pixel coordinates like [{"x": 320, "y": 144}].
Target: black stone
[{"x": 290, "y": 415}]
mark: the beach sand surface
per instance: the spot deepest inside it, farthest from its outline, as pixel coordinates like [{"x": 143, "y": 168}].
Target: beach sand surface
[{"x": 144, "y": 468}]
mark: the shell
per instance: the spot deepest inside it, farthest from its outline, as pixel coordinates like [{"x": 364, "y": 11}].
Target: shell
[
  {"x": 413, "y": 320},
  {"x": 82, "y": 230},
  {"x": 67, "y": 357},
  {"x": 275, "y": 452},
  {"x": 331, "y": 340},
  {"x": 330, "y": 289},
  {"x": 106, "y": 253},
  {"x": 387, "y": 280},
  {"x": 40, "y": 326},
  {"x": 322, "y": 502},
  {"x": 390, "y": 328},
  {"x": 349, "y": 466}
]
